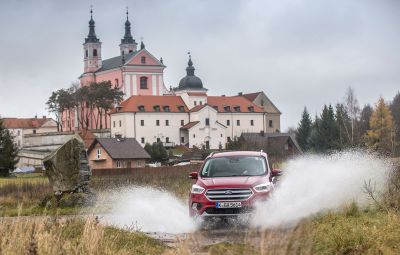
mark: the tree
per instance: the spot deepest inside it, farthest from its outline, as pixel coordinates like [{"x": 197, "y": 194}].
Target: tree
[
  {"x": 66, "y": 103},
  {"x": 325, "y": 134},
  {"x": 395, "y": 109},
  {"x": 237, "y": 143},
  {"x": 380, "y": 135},
  {"x": 343, "y": 123},
  {"x": 8, "y": 151},
  {"x": 156, "y": 151},
  {"x": 363, "y": 123},
  {"x": 91, "y": 104},
  {"x": 105, "y": 98},
  {"x": 352, "y": 109},
  {"x": 303, "y": 134},
  {"x": 329, "y": 130},
  {"x": 53, "y": 106}
]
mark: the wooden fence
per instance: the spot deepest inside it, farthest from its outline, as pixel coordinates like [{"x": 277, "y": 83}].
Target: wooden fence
[{"x": 128, "y": 171}]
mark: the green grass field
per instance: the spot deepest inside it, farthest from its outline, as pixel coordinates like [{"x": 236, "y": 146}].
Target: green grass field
[{"x": 352, "y": 230}]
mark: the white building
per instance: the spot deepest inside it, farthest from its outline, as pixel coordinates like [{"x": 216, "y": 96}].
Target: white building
[
  {"x": 188, "y": 116},
  {"x": 20, "y": 127}
]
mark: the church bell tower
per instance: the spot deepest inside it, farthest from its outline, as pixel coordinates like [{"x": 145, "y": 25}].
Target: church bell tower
[
  {"x": 92, "y": 49},
  {"x": 128, "y": 44}
]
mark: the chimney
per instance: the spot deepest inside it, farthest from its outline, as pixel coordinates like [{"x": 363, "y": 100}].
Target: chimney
[
  {"x": 240, "y": 94},
  {"x": 35, "y": 116},
  {"x": 223, "y": 95},
  {"x": 44, "y": 117}
]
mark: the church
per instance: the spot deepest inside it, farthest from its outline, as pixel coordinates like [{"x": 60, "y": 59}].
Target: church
[{"x": 178, "y": 115}]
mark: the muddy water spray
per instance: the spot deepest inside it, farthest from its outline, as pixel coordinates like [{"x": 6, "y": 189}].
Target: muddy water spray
[
  {"x": 147, "y": 210},
  {"x": 312, "y": 184}
]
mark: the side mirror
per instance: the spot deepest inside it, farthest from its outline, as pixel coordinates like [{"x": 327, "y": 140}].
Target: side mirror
[
  {"x": 276, "y": 172},
  {"x": 193, "y": 175}
]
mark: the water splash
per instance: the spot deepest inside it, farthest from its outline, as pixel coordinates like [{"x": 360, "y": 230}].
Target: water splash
[
  {"x": 312, "y": 184},
  {"x": 146, "y": 209}
]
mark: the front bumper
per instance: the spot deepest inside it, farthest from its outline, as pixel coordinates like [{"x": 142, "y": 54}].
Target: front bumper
[{"x": 200, "y": 205}]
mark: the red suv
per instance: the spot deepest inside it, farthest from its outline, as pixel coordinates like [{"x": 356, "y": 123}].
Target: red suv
[{"x": 229, "y": 183}]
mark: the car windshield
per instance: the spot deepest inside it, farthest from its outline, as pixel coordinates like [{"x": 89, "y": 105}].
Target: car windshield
[{"x": 234, "y": 166}]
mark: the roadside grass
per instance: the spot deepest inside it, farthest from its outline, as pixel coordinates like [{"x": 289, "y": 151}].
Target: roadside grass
[
  {"x": 363, "y": 232},
  {"x": 49, "y": 235},
  {"x": 230, "y": 249},
  {"x": 352, "y": 230},
  {"x": 23, "y": 194}
]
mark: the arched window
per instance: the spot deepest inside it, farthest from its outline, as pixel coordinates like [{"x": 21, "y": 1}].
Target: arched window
[
  {"x": 94, "y": 53},
  {"x": 143, "y": 82},
  {"x": 143, "y": 60}
]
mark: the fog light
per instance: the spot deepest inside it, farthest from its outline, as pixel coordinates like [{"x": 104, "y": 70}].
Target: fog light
[{"x": 196, "y": 206}]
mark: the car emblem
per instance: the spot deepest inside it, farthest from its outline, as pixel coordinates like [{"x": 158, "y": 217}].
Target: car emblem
[{"x": 228, "y": 192}]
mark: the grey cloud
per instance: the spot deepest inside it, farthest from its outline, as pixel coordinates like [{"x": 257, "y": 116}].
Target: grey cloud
[{"x": 300, "y": 52}]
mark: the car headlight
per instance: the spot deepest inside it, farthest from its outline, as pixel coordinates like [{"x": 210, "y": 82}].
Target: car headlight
[
  {"x": 196, "y": 189},
  {"x": 265, "y": 187}
]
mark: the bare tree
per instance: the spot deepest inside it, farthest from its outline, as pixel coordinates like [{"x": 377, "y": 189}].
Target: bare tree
[{"x": 352, "y": 109}]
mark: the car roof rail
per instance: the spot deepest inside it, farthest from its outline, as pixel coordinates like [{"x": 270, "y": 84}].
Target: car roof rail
[{"x": 212, "y": 153}]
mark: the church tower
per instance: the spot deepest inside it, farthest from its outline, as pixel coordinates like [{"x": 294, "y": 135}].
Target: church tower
[
  {"x": 92, "y": 49},
  {"x": 128, "y": 44}
]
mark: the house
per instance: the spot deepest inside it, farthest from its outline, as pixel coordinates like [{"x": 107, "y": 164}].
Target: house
[
  {"x": 20, "y": 127},
  {"x": 189, "y": 116},
  {"x": 108, "y": 153},
  {"x": 277, "y": 145},
  {"x": 153, "y": 112},
  {"x": 273, "y": 114}
]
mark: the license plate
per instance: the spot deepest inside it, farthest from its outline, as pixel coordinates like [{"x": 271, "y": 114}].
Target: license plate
[{"x": 229, "y": 204}]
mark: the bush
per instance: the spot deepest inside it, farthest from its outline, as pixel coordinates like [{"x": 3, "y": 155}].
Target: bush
[
  {"x": 157, "y": 152},
  {"x": 392, "y": 196}
]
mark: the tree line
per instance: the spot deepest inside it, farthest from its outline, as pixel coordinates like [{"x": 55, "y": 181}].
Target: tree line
[
  {"x": 88, "y": 103},
  {"x": 346, "y": 125},
  {"x": 8, "y": 151}
]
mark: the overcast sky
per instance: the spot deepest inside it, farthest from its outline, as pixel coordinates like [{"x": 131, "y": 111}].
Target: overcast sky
[{"x": 300, "y": 52}]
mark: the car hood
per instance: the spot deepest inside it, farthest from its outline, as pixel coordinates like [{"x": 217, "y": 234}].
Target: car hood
[{"x": 232, "y": 182}]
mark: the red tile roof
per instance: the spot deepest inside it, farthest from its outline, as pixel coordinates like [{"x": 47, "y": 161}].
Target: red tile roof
[
  {"x": 199, "y": 94},
  {"x": 197, "y": 108},
  {"x": 252, "y": 96},
  {"x": 222, "y": 101},
  {"x": 190, "y": 125},
  {"x": 173, "y": 102},
  {"x": 87, "y": 137},
  {"x": 24, "y": 122},
  {"x": 132, "y": 104}
]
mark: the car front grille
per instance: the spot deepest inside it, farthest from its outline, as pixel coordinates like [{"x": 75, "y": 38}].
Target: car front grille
[
  {"x": 216, "y": 211},
  {"x": 227, "y": 194}
]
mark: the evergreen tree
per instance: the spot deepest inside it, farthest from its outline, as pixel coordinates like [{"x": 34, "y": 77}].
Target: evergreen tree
[
  {"x": 8, "y": 151},
  {"x": 395, "y": 109},
  {"x": 344, "y": 125},
  {"x": 380, "y": 135},
  {"x": 156, "y": 151},
  {"x": 315, "y": 136},
  {"x": 325, "y": 133},
  {"x": 329, "y": 133},
  {"x": 303, "y": 134},
  {"x": 363, "y": 123}
]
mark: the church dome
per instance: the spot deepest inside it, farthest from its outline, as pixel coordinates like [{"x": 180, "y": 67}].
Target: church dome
[{"x": 190, "y": 81}]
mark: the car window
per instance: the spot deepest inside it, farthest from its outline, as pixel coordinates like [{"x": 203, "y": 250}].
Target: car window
[{"x": 234, "y": 166}]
